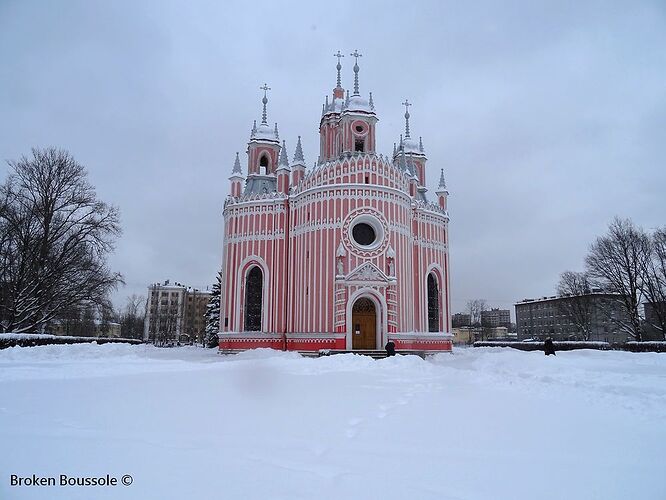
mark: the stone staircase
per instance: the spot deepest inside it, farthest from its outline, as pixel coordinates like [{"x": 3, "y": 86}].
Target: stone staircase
[{"x": 375, "y": 354}]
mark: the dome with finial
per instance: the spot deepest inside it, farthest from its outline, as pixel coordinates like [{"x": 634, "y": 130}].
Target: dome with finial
[
  {"x": 358, "y": 103},
  {"x": 408, "y": 144},
  {"x": 263, "y": 131}
]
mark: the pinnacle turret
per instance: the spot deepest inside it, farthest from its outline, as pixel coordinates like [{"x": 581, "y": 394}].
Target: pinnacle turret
[
  {"x": 284, "y": 159},
  {"x": 421, "y": 145},
  {"x": 237, "y": 166},
  {"x": 442, "y": 182},
  {"x": 298, "y": 154}
]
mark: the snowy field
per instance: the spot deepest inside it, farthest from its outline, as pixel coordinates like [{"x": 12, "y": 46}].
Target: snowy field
[{"x": 485, "y": 423}]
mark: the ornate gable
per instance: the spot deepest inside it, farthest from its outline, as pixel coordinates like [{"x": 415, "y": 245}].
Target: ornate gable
[{"x": 368, "y": 273}]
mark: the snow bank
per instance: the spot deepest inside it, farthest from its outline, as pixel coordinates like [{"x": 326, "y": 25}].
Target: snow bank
[{"x": 190, "y": 423}]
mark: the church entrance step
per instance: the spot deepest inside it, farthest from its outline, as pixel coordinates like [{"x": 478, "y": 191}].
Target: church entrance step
[{"x": 373, "y": 353}]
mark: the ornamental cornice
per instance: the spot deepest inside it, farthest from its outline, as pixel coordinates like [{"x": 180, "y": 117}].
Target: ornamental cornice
[
  {"x": 430, "y": 244},
  {"x": 255, "y": 236},
  {"x": 271, "y": 197},
  {"x": 356, "y": 162}
]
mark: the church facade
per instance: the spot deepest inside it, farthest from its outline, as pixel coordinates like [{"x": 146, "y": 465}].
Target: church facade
[{"x": 347, "y": 254}]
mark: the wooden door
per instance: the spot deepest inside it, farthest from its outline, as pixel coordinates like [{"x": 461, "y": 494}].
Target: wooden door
[{"x": 364, "y": 324}]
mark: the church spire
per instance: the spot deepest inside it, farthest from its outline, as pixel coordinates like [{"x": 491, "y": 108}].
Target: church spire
[
  {"x": 356, "y": 55},
  {"x": 264, "y": 116},
  {"x": 338, "y": 67},
  {"x": 406, "y": 104}
]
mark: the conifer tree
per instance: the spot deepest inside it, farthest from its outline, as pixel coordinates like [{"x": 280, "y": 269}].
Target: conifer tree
[{"x": 212, "y": 314}]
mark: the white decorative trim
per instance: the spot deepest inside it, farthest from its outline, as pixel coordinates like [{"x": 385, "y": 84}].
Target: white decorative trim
[
  {"x": 431, "y": 244},
  {"x": 309, "y": 227},
  {"x": 256, "y": 236},
  {"x": 426, "y": 336},
  {"x": 316, "y": 336},
  {"x": 352, "y": 190},
  {"x": 368, "y": 273},
  {"x": 249, "y": 336}
]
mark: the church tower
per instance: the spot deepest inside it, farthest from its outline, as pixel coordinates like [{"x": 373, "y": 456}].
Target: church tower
[
  {"x": 263, "y": 152},
  {"x": 415, "y": 157},
  {"x": 347, "y": 124}
]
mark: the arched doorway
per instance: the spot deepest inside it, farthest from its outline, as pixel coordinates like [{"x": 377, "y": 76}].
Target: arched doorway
[
  {"x": 433, "y": 304},
  {"x": 364, "y": 324},
  {"x": 253, "y": 299}
]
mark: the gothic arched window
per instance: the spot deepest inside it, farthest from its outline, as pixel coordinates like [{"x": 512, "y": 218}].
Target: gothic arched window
[
  {"x": 253, "y": 298},
  {"x": 433, "y": 304},
  {"x": 263, "y": 164}
]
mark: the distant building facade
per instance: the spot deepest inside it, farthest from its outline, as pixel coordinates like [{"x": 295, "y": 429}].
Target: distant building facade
[
  {"x": 496, "y": 318},
  {"x": 95, "y": 329},
  {"x": 175, "y": 313},
  {"x": 463, "y": 335},
  {"x": 651, "y": 310},
  {"x": 460, "y": 320},
  {"x": 547, "y": 317}
]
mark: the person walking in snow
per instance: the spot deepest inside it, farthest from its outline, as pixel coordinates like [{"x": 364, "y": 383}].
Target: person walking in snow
[
  {"x": 390, "y": 348},
  {"x": 548, "y": 347}
]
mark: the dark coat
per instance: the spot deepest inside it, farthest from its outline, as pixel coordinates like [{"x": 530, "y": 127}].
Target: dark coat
[
  {"x": 549, "y": 347},
  {"x": 390, "y": 348}
]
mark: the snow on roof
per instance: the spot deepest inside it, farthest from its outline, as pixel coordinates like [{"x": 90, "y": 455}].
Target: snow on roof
[
  {"x": 336, "y": 106},
  {"x": 358, "y": 103},
  {"x": 264, "y": 132},
  {"x": 411, "y": 146}
]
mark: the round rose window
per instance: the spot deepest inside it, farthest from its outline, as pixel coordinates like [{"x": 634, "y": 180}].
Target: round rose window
[{"x": 364, "y": 234}]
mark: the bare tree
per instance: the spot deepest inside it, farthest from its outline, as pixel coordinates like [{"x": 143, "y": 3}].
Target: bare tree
[
  {"x": 654, "y": 282},
  {"x": 54, "y": 238},
  {"x": 578, "y": 305},
  {"x": 475, "y": 308},
  {"x": 132, "y": 317},
  {"x": 616, "y": 264}
]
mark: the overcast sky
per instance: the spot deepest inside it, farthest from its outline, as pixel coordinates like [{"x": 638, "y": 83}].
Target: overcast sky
[{"x": 548, "y": 118}]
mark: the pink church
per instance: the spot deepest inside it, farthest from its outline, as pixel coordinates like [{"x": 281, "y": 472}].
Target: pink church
[{"x": 347, "y": 254}]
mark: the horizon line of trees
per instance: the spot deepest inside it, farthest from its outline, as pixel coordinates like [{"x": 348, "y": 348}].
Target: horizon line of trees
[
  {"x": 55, "y": 237},
  {"x": 629, "y": 264}
]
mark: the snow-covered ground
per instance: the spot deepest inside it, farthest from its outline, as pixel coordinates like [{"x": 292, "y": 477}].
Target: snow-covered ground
[{"x": 485, "y": 423}]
